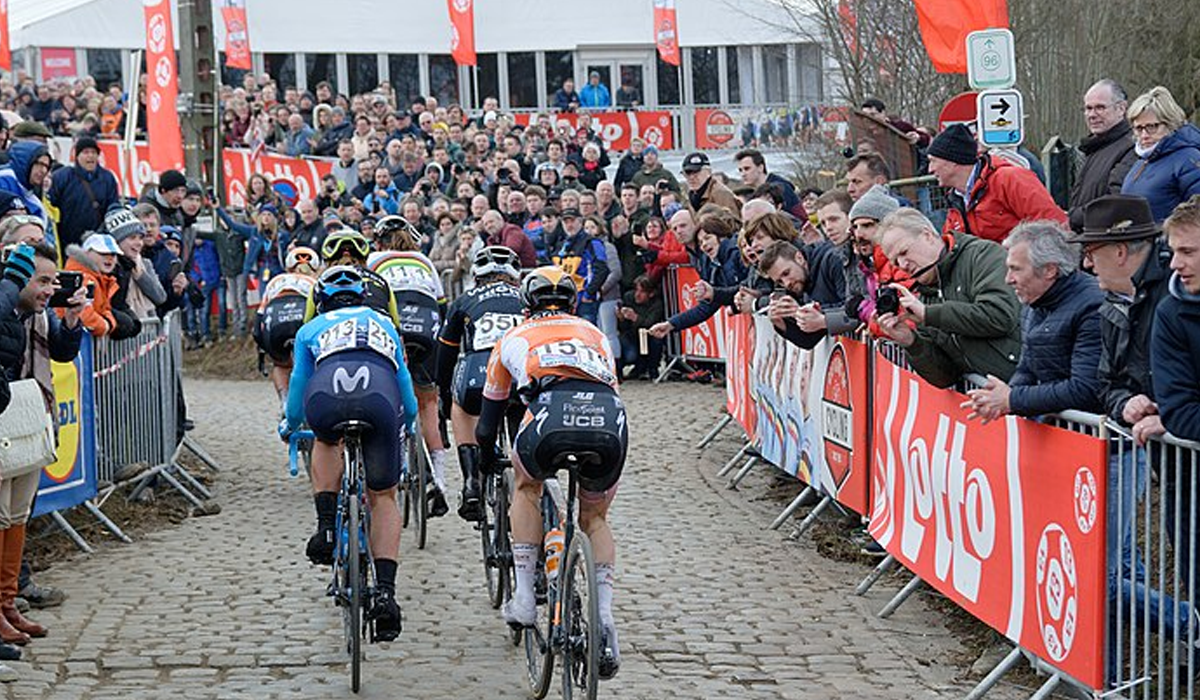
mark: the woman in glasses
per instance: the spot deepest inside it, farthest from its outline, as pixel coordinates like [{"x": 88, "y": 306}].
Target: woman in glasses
[{"x": 1168, "y": 147}]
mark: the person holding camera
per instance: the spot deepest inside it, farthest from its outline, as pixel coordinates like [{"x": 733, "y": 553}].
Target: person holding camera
[
  {"x": 96, "y": 261},
  {"x": 961, "y": 316},
  {"x": 384, "y": 198}
]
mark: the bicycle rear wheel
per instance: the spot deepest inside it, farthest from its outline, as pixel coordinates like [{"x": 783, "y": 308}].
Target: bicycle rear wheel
[
  {"x": 501, "y": 541},
  {"x": 539, "y": 653},
  {"x": 418, "y": 486},
  {"x": 486, "y": 527},
  {"x": 580, "y": 620},
  {"x": 353, "y": 612}
]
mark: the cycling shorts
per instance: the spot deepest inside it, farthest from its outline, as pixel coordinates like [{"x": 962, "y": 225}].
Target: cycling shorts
[
  {"x": 470, "y": 374},
  {"x": 277, "y": 326},
  {"x": 360, "y": 385},
  {"x": 575, "y": 416},
  {"x": 419, "y": 325}
]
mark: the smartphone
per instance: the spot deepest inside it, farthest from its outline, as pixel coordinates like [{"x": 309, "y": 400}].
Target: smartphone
[
  {"x": 175, "y": 269},
  {"x": 68, "y": 283}
]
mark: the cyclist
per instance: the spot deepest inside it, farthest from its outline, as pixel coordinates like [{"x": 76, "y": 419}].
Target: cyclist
[
  {"x": 349, "y": 365},
  {"x": 345, "y": 246},
  {"x": 474, "y": 324},
  {"x": 417, "y": 290},
  {"x": 281, "y": 314},
  {"x": 564, "y": 371}
]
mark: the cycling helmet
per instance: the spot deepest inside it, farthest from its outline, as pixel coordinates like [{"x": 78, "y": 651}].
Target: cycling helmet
[
  {"x": 548, "y": 288},
  {"x": 398, "y": 233},
  {"x": 337, "y": 241},
  {"x": 301, "y": 260},
  {"x": 496, "y": 260},
  {"x": 339, "y": 287}
]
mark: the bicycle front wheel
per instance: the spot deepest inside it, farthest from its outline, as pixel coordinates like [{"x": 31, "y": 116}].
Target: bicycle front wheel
[
  {"x": 580, "y": 620},
  {"x": 354, "y": 581},
  {"x": 419, "y": 486}
]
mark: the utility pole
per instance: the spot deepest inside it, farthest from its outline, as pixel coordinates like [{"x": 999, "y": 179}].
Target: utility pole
[{"x": 198, "y": 91}]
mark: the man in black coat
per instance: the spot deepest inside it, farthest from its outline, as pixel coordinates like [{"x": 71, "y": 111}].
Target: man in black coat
[
  {"x": 1107, "y": 149},
  {"x": 82, "y": 193}
]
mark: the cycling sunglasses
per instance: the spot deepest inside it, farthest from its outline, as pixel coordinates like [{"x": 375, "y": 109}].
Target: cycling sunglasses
[{"x": 336, "y": 245}]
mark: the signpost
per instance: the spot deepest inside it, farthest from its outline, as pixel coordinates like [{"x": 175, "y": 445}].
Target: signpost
[
  {"x": 1001, "y": 115},
  {"x": 991, "y": 61}
]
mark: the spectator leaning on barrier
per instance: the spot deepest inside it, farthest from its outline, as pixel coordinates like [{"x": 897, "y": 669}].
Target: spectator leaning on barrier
[
  {"x": 960, "y": 316},
  {"x": 1060, "y": 329},
  {"x": 82, "y": 193},
  {"x": 1121, "y": 244},
  {"x": 806, "y": 278},
  {"x": 1167, "y": 171},
  {"x": 95, "y": 260},
  {"x": 1107, "y": 149},
  {"x": 991, "y": 195},
  {"x": 703, "y": 188},
  {"x": 1175, "y": 339},
  {"x": 144, "y": 290},
  {"x": 866, "y": 267},
  {"x": 595, "y": 94}
]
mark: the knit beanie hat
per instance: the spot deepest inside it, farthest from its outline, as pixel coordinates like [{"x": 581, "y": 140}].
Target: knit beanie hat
[
  {"x": 170, "y": 180},
  {"x": 875, "y": 204},
  {"x": 120, "y": 223},
  {"x": 955, "y": 144}
]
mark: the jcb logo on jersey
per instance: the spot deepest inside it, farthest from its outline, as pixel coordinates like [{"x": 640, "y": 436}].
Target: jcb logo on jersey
[{"x": 578, "y": 421}]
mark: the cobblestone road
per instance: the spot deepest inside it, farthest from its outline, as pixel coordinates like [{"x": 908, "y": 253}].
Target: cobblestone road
[{"x": 710, "y": 604}]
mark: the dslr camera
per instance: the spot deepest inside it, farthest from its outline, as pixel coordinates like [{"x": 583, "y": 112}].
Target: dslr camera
[{"x": 887, "y": 301}]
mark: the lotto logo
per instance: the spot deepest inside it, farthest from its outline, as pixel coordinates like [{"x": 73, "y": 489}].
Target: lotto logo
[
  {"x": 157, "y": 34},
  {"x": 1085, "y": 500},
  {"x": 1057, "y": 602}
]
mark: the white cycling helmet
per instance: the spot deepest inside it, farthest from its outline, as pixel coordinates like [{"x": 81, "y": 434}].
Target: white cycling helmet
[{"x": 496, "y": 260}]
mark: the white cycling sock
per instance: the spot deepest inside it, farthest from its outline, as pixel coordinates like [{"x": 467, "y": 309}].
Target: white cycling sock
[
  {"x": 605, "y": 577},
  {"x": 525, "y": 561},
  {"x": 438, "y": 457}
]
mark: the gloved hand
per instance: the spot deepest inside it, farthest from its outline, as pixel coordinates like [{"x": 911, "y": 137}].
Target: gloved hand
[
  {"x": 19, "y": 265},
  {"x": 853, "y": 304},
  {"x": 285, "y": 431}
]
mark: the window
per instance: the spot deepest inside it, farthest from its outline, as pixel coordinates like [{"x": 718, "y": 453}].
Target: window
[
  {"x": 668, "y": 82},
  {"x": 363, "y": 69},
  {"x": 522, "y": 79},
  {"x": 488, "y": 76},
  {"x": 281, "y": 67},
  {"x": 706, "y": 76},
  {"x": 731, "y": 75},
  {"x": 229, "y": 76},
  {"x": 318, "y": 67},
  {"x": 560, "y": 65},
  {"x": 404, "y": 72},
  {"x": 775, "y": 72},
  {"x": 105, "y": 66},
  {"x": 443, "y": 79}
]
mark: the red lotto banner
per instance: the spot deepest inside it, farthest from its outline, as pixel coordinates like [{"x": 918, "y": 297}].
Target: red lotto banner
[
  {"x": 666, "y": 31},
  {"x": 133, "y": 170},
  {"x": 162, "y": 89},
  {"x": 739, "y": 348},
  {"x": 707, "y": 340},
  {"x": 1002, "y": 518},
  {"x": 462, "y": 31},
  {"x": 237, "y": 34},
  {"x": 617, "y": 128}
]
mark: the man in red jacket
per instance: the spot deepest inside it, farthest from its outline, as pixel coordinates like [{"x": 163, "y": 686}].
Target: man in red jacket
[
  {"x": 993, "y": 194},
  {"x": 509, "y": 235}
]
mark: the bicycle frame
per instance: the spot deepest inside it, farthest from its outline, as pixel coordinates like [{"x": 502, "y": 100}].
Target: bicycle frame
[{"x": 353, "y": 486}]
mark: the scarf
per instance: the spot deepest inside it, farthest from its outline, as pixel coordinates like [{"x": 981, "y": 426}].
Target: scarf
[{"x": 37, "y": 358}]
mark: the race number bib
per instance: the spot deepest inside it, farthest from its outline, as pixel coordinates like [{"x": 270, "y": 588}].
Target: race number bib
[
  {"x": 409, "y": 278},
  {"x": 491, "y": 327},
  {"x": 351, "y": 335},
  {"x": 379, "y": 340},
  {"x": 575, "y": 355},
  {"x": 337, "y": 338}
]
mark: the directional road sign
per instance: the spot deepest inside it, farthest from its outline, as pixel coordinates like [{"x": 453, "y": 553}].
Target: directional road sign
[
  {"x": 991, "y": 61},
  {"x": 1000, "y": 121}
]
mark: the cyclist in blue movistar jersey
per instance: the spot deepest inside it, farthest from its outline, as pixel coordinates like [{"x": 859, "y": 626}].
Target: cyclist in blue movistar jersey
[{"x": 349, "y": 365}]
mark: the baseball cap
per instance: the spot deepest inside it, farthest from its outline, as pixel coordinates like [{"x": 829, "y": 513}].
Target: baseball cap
[
  {"x": 102, "y": 243},
  {"x": 694, "y": 162},
  {"x": 12, "y": 204},
  {"x": 569, "y": 213}
]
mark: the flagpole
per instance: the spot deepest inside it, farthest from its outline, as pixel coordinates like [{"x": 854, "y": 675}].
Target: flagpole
[{"x": 475, "y": 84}]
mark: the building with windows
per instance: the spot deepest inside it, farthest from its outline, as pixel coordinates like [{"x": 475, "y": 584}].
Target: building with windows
[{"x": 735, "y": 52}]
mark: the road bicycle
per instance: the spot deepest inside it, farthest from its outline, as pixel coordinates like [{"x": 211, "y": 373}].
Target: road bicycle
[
  {"x": 414, "y": 485},
  {"x": 568, "y": 619},
  {"x": 495, "y": 533},
  {"x": 353, "y": 584}
]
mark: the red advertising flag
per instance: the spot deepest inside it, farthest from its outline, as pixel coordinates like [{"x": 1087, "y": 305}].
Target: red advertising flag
[
  {"x": 462, "y": 31},
  {"x": 162, "y": 89},
  {"x": 5, "y": 48},
  {"x": 1005, "y": 519},
  {"x": 237, "y": 34},
  {"x": 945, "y": 25},
  {"x": 666, "y": 31}
]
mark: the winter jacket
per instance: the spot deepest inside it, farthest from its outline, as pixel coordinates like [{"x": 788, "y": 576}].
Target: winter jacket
[
  {"x": 262, "y": 252},
  {"x": 565, "y": 101},
  {"x": 144, "y": 291},
  {"x": 347, "y": 175},
  {"x": 78, "y": 211},
  {"x": 590, "y": 173},
  {"x": 97, "y": 316},
  {"x": 972, "y": 318},
  {"x": 586, "y": 260},
  {"x": 64, "y": 342},
  {"x": 206, "y": 266},
  {"x": 163, "y": 260},
  {"x": 1169, "y": 174},
  {"x": 389, "y": 203},
  {"x": 14, "y": 175},
  {"x": 309, "y": 235},
  {"x": 1175, "y": 362},
  {"x": 825, "y": 286},
  {"x": 1125, "y": 330},
  {"x": 727, "y": 271},
  {"x": 651, "y": 177},
  {"x": 713, "y": 192},
  {"x": 626, "y": 169},
  {"x": 1107, "y": 157},
  {"x": 1060, "y": 350},
  {"x": 231, "y": 247},
  {"x": 444, "y": 252},
  {"x": 791, "y": 200},
  {"x": 513, "y": 238},
  {"x": 667, "y": 251},
  {"x": 593, "y": 96},
  {"x": 299, "y": 143},
  {"x": 327, "y": 145},
  {"x": 167, "y": 215},
  {"x": 648, "y": 314},
  {"x": 1002, "y": 195}
]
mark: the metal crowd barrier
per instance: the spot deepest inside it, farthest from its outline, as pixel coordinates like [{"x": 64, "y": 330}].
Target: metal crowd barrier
[{"x": 137, "y": 384}]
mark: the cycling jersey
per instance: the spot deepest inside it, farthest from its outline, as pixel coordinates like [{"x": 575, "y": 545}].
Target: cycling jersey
[
  {"x": 542, "y": 350},
  {"x": 284, "y": 284},
  {"x": 408, "y": 271},
  {"x": 476, "y": 321}
]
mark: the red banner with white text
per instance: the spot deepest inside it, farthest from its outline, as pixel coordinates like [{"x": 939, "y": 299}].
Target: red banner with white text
[
  {"x": 739, "y": 346},
  {"x": 1006, "y": 519},
  {"x": 133, "y": 170},
  {"x": 616, "y": 129},
  {"x": 237, "y": 34},
  {"x": 666, "y": 31},
  {"x": 162, "y": 89},
  {"x": 705, "y": 341},
  {"x": 462, "y": 31}
]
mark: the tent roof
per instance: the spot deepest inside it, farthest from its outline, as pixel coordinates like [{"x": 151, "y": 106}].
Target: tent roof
[{"x": 416, "y": 26}]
